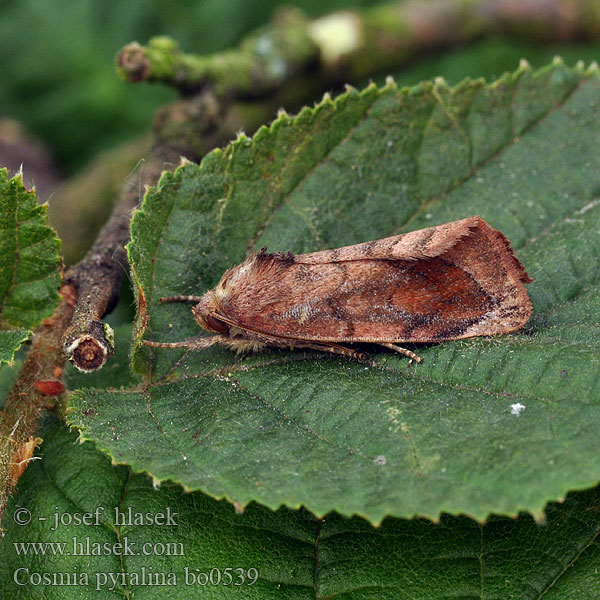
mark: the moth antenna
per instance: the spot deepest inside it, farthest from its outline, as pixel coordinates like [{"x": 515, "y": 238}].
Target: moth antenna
[
  {"x": 199, "y": 342},
  {"x": 194, "y": 299},
  {"x": 401, "y": 350}
]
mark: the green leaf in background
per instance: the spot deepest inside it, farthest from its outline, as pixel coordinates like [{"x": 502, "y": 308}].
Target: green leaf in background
[
  {"x": 30, "y": 264},
  {"x": 296, "y": 556},
  {"x": 483, "y": 426}
]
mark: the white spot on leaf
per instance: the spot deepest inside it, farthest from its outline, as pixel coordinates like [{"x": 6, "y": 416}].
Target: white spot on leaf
[{"x": 517, "y": 409}]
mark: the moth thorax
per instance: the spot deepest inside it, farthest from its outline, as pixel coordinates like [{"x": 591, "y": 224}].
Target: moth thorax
[{"x": 205, "y": 313}]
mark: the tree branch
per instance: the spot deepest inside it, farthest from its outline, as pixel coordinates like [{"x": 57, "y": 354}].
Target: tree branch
[
  {"x": 351, "y": 45},
  {"x": 264, "y": 61},
  {"x": 87, "y": 342}
]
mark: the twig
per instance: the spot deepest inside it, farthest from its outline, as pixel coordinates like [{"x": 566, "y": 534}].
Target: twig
[
  {"x": 352, "y": 45},
  {"x": 87, "y": 342},
  {"x": 263, "y": 63}
]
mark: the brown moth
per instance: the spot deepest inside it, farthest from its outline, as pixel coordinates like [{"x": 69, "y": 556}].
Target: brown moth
[{"x": 449, "y": 282}]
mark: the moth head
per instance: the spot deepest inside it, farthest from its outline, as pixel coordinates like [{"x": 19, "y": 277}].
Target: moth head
[{"x": 205, "y": 313}]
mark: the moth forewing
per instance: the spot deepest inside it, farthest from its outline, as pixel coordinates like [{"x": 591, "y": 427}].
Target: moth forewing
[{"x": 449, "y": 282}]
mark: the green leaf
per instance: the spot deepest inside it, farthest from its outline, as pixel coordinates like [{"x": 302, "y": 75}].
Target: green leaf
[
  {"x": 394, "y": 438},
  {"x": 30, "y": 264},
  {"x": 10, "y": 342},
  {"x": 296, "y": 556}
]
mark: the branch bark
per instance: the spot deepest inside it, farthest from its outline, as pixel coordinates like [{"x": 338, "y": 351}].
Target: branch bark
[{"x": 36, "y": 388}]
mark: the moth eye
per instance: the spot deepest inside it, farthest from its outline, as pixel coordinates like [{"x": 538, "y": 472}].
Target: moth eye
[{"x": 217, "y": 324}]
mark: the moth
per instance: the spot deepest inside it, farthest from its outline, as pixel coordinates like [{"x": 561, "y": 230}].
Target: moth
[{"x": 449, "y": 282}]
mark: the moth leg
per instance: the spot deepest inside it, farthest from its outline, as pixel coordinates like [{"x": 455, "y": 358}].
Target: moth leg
[
  {"x": 194, "y": 299},
  {"x": 401, "y": 351},
  {"x": 198, "y": 342},
  {"x": 333, "y": 348}
]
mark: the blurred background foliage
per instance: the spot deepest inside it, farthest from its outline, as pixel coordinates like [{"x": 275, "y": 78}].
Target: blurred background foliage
[{"x": 59, "y": 79}]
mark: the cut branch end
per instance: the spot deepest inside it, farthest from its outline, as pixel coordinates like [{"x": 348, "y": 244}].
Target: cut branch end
[{"x": 90, "y": 350}]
